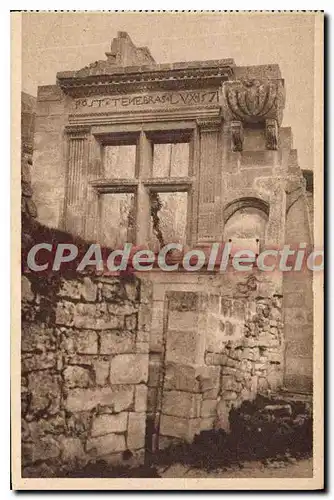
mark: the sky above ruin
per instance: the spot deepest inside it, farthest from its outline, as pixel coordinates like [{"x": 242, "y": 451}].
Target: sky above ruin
[{"x": 55, "y": 42}]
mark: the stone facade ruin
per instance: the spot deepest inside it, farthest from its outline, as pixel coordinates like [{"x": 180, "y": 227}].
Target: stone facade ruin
[{"x": 193, "y": 152}]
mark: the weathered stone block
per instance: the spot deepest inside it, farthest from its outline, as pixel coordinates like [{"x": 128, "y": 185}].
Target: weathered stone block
[
  {"x": 181, "y": 378},
  {"x": 208, "y": 377},
  {"x": 144, "y": 317},
  {"x": 129, "y": 369},
  {"x": 223, "y": 410},
  {"x": 207, "y": 423},
  {"x": 39, "y": 470},
  {"x": 132, "y": 289},
  {"x": 67, "y": 340},
  {"x": 140, "y": 398},
  {"x": 275, "y": 379},
  {"x": 72, "y": 450},
  {"x": 303, "y": 378},
  {"x": 118, "y": 398},
  {"x": 103, "y": 445},
  {"x": 185, "y": 347},
  {"x": 112, "y": 291},
  {"x": 43, "y": 449},
  {"x": 37, "y": 337},
  {"x": 26, "y": 291},
  {"x": 154, "y": 372},
  {"x": 86, "y": 342},
  {"x": 38, "y": 361},
  {"x": 230, "y": 395},
  {"x": 262, "y": 384},
  {"x": 152, "y": 399},
  {"x": 69, "y": 289},
  {"x": 142, "y": 347},
  {"x": 156, "y": 341},
  {"x": 209, "y": 408},
  {"x": 136, "y": 431},
  {"x": 88, "y": 289},
  {"x": 246, "y": 365},
  {"x": 117, "y": 342},
  {"x": 122, "y": 309},
  {"x": 106, "y": 424},
  {"x": 143, "y": 336},
  {"x": 299, "y": 348},
  {"x": 65, "y": 312},
  {"x": 101, "y": 368},
  {"x": 227, "y": 370},
  {"x": 233, "y": 363},
  {"x": 183, "y": 428},
  {"x": 77, "y": 376},
  {"x": 230, "y": 384},
  {"x": 211, "y": 393},
  {"x": 96, "y": 317},
  {"x": 181, "y": 404},
  {"x": 78, "y": 424},
  {"x": 295, "y": 316},
  {"x": 183, "y": 320},
  {"x": 131, "y": 321},
  {"x": 55, "y": 425},
  {"x": 44, "y": 389},
  {"x": 183, "y": 301},
  {"x": 146, "y": 291}
]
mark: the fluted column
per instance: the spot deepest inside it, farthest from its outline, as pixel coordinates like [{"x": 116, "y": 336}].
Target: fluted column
[
  {"x": 76, "y": 190},
  {"x": 209, "y": 180}
]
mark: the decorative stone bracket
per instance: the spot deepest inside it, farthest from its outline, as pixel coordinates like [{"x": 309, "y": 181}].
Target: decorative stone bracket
[
  {"x": 253, "y": 101},
  {"x": 271, "y": 134},
  {"x": 237, "y": 135}
]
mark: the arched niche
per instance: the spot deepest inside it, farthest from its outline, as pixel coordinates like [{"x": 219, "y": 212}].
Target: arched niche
[{"x": 245, "y": 222}]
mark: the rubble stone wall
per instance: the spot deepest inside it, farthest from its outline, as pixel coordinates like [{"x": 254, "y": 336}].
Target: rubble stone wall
[{"x": 84, "y": 372}]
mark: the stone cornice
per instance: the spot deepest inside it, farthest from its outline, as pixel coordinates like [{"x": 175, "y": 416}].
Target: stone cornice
[
  {"x": 104, "y": 78},
  {"x": 150, "y": 115}
]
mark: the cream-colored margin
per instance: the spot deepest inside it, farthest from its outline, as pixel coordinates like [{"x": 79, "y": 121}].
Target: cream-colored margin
[
  {"x": 15, "y": 344},
  {"x": 318, "y": 277},
  {"x": 19, "y": 483}
]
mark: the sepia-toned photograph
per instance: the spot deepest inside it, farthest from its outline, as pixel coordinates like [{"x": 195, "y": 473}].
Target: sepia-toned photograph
[{"x": 167, "y": 325}]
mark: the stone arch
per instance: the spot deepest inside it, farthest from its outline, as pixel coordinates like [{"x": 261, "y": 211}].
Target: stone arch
[
  {"x": 245, "y": 202},
  {"x": 245, "y": 221}
]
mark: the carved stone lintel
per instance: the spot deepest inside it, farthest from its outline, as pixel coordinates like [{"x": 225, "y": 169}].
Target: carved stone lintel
[
  {"x": 271, "y": 134},
  {"x": 237, "y": 136}
]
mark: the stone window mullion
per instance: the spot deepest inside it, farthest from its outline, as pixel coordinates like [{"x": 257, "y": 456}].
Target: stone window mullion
[{"x": 143, "y": 202}]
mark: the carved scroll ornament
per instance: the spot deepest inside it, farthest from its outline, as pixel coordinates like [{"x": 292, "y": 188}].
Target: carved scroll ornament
[{"x": 253, "y": 101}]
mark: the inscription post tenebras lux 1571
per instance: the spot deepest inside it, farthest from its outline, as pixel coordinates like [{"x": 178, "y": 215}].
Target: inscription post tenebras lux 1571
[{"x": 152, "y": 99}]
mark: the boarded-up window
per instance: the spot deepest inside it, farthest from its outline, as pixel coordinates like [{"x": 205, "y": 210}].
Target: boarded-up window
[
  {"x": 168, "y": 218},
  {"x": 119, "y": 161},
  {"x": 171, "y": 159},
  {"x": 117, "y": 219}
]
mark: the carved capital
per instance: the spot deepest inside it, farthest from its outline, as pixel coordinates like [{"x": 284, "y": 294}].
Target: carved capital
[
  {"x": 271, "y": 134},
  {"x": 77, "y": 131},
  {"x": 253, "y": 101},
  {"x": 237, "y": 135},
  {"x": 209, "y": 124}
]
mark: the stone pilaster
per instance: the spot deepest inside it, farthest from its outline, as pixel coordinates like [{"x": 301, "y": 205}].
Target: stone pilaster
[
  {"x": 275, "y": 233},
  {"x": 208, "y": 179},
  {"x": 76, "y": 189}
]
